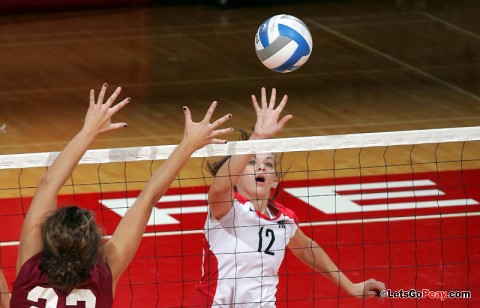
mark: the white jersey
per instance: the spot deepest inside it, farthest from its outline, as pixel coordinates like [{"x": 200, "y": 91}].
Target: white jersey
[{"x": 242, "y": 255}]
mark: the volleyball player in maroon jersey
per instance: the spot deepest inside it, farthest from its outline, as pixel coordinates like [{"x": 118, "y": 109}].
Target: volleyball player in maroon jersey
[{"x": 62, "y": 259}]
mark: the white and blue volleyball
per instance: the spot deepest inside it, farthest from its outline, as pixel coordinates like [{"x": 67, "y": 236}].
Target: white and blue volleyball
[{"x": 283, "y": 43}]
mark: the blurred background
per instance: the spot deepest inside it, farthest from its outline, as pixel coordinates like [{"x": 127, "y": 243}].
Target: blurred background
[{"x": 376, "y": 65}]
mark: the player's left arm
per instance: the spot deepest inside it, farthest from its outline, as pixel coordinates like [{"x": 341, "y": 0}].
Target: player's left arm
[
  {"x": 122, "y": 247},
  {"x": 310, "y": 253}
]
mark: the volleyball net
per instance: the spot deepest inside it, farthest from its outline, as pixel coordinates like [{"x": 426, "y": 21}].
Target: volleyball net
[{"x": 401, "y": 207}]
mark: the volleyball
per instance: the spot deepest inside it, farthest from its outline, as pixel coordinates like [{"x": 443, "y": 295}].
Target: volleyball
[{"x": 283, "y": 43}]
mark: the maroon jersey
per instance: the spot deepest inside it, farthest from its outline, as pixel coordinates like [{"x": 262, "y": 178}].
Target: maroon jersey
[{"x": 31, "y": 288}]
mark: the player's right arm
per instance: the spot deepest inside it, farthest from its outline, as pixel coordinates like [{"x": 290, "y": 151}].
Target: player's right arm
[
  {"x": 220, "y": 195},
  {"x": 97, "y": 121}
]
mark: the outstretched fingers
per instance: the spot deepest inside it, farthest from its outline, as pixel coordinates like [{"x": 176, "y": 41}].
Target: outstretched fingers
[
  {"x": 101, "y": 95},
  {"x": 99, "y": 115},
  {"x": 212, "y": 126},
  {"x": 92, "y": 97},
  {"x": 120, "y": 105},
  {"x": 218, "y": 132},
  {"x": 113, "y": 97},
  {"x": 264, "y": 98},
  {"x": 188, "y": 115},
  {"x": 210, "y": 111},
  {"x": 284, "y": 121},
  {"x": 220, "y": 121},
  {"x": 202, "y": 133},
  {"x": 115, "y": 109},
  {"x": 118, "y": 125},
  {"x": 282, "y": 104},
  {"x": 255, "y": 104},
  {"x": 273, "y": 97},
  {"x": 265, "y": 103}
]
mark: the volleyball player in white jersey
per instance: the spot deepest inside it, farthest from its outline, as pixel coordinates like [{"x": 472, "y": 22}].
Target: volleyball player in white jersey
[{"x": 246, "y": 232}]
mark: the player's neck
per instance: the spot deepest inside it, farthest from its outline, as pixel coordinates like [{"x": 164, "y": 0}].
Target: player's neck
[{"x": 261, "y": 205}]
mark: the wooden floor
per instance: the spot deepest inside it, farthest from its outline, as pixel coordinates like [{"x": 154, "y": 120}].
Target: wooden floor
[{"x": 376, "y": 66}]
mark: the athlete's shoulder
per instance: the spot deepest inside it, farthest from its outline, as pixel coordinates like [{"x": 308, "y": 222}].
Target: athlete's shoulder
[
  {"x": 35, "y": 259},
  {"x": 101, "y": 275},
  {"x": 28, "y": 277},
  {"x": 30, "y": 268},
  {"x": 286, "y": 211}
]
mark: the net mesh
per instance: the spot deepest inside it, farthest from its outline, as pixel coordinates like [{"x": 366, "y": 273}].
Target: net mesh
[{"x": 400, "y": 207}]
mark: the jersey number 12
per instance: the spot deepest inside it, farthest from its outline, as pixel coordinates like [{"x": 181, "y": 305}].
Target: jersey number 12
[{"x": 268, "y": 234}]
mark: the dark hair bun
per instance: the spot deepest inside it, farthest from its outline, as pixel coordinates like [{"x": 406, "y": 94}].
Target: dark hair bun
[
  {"x": 65, "y": 272},
  {"x": 71, "y": 244}
]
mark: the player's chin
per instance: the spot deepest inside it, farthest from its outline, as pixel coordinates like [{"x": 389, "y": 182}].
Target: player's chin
[{"x": 262, "y": 189}]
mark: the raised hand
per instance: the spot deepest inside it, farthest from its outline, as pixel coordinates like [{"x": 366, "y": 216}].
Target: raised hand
[
  {"x": 97, "y": 120},
  {"x": 268, "y": 123},
  {"x": 199, "y": 134},
  {"x": 99, "y": 115}
]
